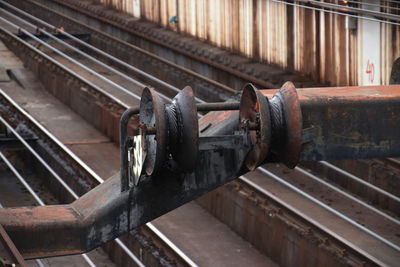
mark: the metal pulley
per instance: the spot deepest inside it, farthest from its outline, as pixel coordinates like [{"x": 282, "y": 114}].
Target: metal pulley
[
  {"x": 167, "y": 132},
  {"x": 254, "y": 117},
  {"x": 268, "y": 129},
  {"x": 273, "y": 125}
]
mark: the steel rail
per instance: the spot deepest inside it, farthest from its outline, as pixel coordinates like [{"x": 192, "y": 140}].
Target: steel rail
[
  {"x": 202, "y": 102},
  {"x": 59, "y": 179},
  {"x": 70, "y": 58},
  {"x": 84, "y": 166},
  {"x": 344, "y": 193},
  {"x": 361, "y": 181},
  {"x": 237, "y": 73},
  {"x": 132, "y": 68},
  {"x": 336, "y": 12},
  {"x": 320, "y": 226},
  {"x": 67, "y": 70},
  {"x": 152, "y": 228},
  {"x": 138, "y": 49},
  {"x": 331, "y": 210},
  {"x": 35, "y": 196},
  {"x": 38, "y": 157},
  {"x": 137, "y": 83},
  {"x": 74, "y": 48}
]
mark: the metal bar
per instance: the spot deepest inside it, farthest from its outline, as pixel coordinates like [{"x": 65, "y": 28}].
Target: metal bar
[
  {"x": 67, "y": 70},
  {"x": 361, "y": 181},
  {"x": 326, "y": 207},
  {"x": 39, "y": 158},
  {"x": 107, "y": 211},
  {"x": 54, "y": 175},
  {"x": 98, "y": 179},
  {"x": 310, "y": 220},
  {"x": 218, "y": 106},
  {"x": 34, "y": 195},
  {"x": 57, "y": 35},
  {"x": 71, "y": 59},
  {"x": 115, "y": 59},
  {"x": 123, "y": 133},
  {"x": 342, "y": 192},
  {"x": 144, "y": 36},
  {"x": 349, "y": 122}
]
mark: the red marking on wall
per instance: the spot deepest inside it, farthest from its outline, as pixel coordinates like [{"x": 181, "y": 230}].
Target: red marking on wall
[{"x": 370, "y": 71}]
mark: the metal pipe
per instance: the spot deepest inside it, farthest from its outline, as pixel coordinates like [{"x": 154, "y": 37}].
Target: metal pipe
[
  {"x": 123, "y": 145},
  {"x": 34, "y": 195},
  {"x": 218, "y": 106},
  {"x": 69, "y": 189}
]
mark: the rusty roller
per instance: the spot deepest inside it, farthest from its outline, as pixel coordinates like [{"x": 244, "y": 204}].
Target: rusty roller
[
  {"x": 169, "y": 133},
  {"x": 274, "y": 125}
]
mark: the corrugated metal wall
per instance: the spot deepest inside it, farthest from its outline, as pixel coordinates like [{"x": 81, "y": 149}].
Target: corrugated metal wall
[{"x": 309, "y": 41}]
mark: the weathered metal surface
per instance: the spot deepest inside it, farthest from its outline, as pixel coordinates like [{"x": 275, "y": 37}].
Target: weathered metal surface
[
  {"x": 349, "y": 122},
  {"x": 106, "y": 212},
  {"x": 312, "y": 42},
  {"x": 255, "y": 109},
  {"x": 9, "y": 254},
  {"x": 183, "y": 129},
  {"x": 287, "y": 125},
  {"x": 81, "y": 36},
  {"x": 152, "y": 114}
]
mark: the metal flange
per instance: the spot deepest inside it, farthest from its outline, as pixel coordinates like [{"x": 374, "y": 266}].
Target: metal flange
[
  {"x": 287, "y": 125},
  {"x": 152, "y": 115},
  {"x": 254, "y": 117},
  {"x": 183, "y": 129}
]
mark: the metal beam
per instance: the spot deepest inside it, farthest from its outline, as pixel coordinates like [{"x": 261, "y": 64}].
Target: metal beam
[
  {"x": 344, "y": 122},
  {"x": 349, "y": 122}
]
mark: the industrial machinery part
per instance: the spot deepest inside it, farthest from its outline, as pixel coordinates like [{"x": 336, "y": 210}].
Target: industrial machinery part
[
  {"x": 169, "y": 137},
  {"x": 171, "y": 157}
]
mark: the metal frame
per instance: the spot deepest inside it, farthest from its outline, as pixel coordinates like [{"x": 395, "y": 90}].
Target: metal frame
[{"x": 105, "y": 212}]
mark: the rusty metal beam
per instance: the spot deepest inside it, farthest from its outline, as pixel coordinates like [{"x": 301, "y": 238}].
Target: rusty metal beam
[
  {"x": 337, "y": 122},
  {"x": 349, "y": 122}
]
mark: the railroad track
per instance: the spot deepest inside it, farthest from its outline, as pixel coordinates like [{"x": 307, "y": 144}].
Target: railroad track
[
  {"x": 251, "y": 185},
  {"x": 67, "y": 177}
]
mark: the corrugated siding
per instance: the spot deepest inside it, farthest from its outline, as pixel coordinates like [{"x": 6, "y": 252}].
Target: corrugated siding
[{"x": 308, "y": 41}]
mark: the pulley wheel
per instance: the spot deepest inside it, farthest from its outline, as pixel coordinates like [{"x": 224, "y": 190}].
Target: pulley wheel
[
  {"x": 187, "y": 146},
  {"x": 254, "y": 109},
  {"x": 294, "y": 123},
  {"x": 152, "y": 114}
]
